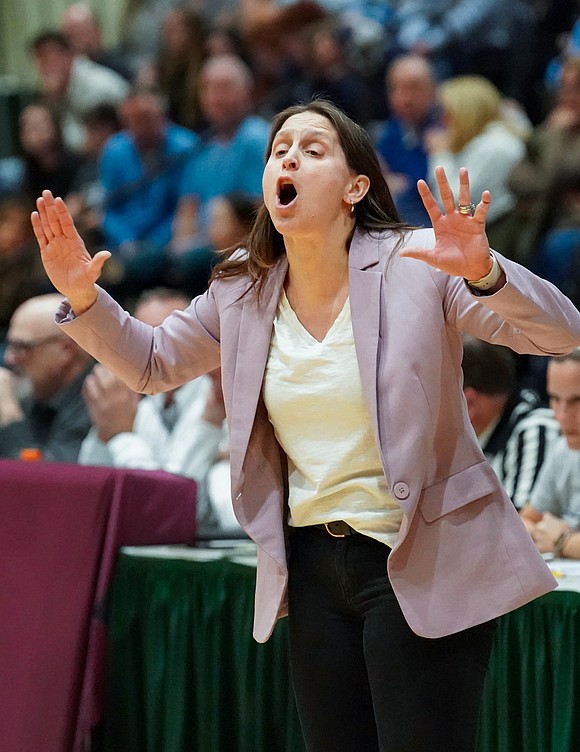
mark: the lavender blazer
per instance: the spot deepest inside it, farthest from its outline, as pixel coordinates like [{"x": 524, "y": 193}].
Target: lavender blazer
[{"x": 462, "y": 556}]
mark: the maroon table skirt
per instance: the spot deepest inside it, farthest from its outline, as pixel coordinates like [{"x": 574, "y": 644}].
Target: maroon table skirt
[{"x": 61, "y": 527}]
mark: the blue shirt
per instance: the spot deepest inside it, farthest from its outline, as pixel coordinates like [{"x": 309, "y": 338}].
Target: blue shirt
[
  {"x": 402, "y": 149},
  {"x": 221, "y": 166},
  {"x": 138, "y": 209}
]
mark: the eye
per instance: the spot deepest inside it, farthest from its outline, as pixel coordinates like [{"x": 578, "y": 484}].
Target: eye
[{"x": 279, "y": 151}]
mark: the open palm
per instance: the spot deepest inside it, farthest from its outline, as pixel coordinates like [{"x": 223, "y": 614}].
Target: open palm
[
  {"x": 68, "y": 264},
  {"x": 461, "y": 246}
]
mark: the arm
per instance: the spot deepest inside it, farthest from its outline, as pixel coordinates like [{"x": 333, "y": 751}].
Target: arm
[
  {"x": 552, "y": 535},
  {"x": 532, "y": 316},
  {"x": 147, "y": 359}
]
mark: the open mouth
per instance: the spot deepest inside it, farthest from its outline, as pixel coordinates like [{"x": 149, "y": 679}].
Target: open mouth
[{"x": 286, "y": 193}]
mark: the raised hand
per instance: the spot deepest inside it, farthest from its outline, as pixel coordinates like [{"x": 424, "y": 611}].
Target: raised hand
[
  {"x": 68, "y": 264},
  {"x": 461, "y": 248}
]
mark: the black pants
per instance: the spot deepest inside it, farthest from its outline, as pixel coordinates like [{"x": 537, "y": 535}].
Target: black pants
[{"x": 364, "y": 682}]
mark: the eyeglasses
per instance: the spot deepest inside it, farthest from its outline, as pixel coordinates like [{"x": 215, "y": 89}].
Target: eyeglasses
[{"x": 23, "y": 347}]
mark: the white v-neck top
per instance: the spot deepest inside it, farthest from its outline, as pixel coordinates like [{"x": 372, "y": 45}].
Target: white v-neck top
[{"x": 313, "y": 393}]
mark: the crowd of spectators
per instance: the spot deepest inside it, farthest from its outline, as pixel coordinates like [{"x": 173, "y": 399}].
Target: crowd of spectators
[{"x": 158, "y": 147}]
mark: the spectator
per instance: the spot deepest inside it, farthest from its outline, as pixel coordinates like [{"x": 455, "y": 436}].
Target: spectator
[
  {"x": 479, "y": 138},
  {"x": 231, "y": 156},
  {"x": 176, "y": 70},
  {"x": 231, "y": 217},
  {"x": 515, "y": 432},
  {"x": 83, "y": 30},
  {"x": 44, "y": 162},
  {"x": 553, "y": 513},
  {"x": 72, "y": 83},
  {"x": 410, "y": 88},
  {"x": 330, "y": 73},
  {"x": 51, "y": 369},
  {"x": 280, "y": 39},
  {"x": 490, "y": 39},
  {"x": 552, "y": 159},
  {"x": 142, "y": 168},
  {"x": 86, "y": 196},
  {"x": 21, "y": 273},
  {"x": 180, "y": 431}
]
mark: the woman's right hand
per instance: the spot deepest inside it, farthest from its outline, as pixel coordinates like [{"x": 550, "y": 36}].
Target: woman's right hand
[{"x": 68, "y": 264}]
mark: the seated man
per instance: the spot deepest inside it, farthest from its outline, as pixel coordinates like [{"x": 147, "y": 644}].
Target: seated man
[
  {"x": 181, "y": 431},
  {"x": 553, "y": 513},
  {"x": 141, "y": 169},
  {"x": 401, "y": 143},
  {"x": 52, "y": 417},
  {"x": 231, "y": 158},
  {"x": 515, "y": 432}
]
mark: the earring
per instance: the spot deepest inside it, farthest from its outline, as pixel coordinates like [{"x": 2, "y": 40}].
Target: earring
[{"x": 351, "y": 206}]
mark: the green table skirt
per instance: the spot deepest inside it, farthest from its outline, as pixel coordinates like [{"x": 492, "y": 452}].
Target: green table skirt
[{"x": 185, "y": 675}]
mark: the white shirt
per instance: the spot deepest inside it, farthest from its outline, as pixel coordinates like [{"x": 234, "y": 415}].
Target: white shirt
[
  {"x": 315, "y": 401},
  {"x": 489, "y": 157},
  {"x": 190, "y": 448}
]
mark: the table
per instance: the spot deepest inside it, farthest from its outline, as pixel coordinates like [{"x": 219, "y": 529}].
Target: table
[
  {"x": 62, "y": 526},
  {"x": 185, "y": 674}
]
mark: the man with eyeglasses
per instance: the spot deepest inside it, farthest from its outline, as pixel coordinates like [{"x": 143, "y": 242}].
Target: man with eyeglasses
[{"x": 41, "y": 403}]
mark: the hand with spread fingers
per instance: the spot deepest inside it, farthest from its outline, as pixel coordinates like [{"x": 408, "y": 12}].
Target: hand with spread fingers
[
  {"x": 68, "y": 264},
  {"x": 461, "y": 248}
]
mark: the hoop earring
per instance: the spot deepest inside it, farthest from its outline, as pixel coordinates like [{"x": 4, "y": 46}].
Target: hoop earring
[{"x": 351, "y": 206}]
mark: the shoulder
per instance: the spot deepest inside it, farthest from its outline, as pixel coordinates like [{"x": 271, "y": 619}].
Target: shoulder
[
  {"x": 118, "y": 143},
  {"x": 501, "y": 137},
  {"x": 560, "y": 462},
  {"x": 180, "y": 138},
  {"x": 88, "y": 73},
  {"x": 255, "y": 129}
]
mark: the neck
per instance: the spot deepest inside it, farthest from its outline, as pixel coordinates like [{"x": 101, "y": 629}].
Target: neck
[{"x": 317, "y": 268}]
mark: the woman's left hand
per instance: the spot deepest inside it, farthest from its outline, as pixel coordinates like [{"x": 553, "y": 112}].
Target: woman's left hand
[{"x": 461, "y": 246}]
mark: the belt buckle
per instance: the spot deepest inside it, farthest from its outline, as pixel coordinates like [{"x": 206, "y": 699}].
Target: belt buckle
[{"x": 334, "y": 535}]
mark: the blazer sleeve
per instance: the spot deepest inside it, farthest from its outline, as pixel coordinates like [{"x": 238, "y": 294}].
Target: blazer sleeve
[
  {"x": 529, "y": 314},
  {"x": 148, "y": 359}
]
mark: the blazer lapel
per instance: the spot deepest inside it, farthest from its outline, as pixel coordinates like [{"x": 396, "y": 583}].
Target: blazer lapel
[
  {"x": 367, "y": 258},
  {"x": 256, "y": 323}
]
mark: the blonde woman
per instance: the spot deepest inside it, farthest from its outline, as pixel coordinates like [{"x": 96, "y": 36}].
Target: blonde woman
[{"x": 478, "y": 136}]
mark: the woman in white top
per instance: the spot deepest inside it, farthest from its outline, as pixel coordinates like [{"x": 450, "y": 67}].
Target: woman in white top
[
  {"x": 338, "y": 333},
  {"x": 478, "y": 137}
]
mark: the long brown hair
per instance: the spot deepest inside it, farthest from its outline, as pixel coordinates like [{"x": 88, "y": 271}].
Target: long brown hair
[{"x": 375, "y": 212}]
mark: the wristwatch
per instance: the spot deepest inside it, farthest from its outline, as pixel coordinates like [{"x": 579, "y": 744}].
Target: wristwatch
[{"x": 484, "y": 283}]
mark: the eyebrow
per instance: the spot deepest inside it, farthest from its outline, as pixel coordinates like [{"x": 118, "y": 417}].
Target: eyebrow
[{"x": 310, "y": 133}]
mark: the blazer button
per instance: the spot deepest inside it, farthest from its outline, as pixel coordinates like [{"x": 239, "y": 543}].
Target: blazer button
[{"x": 401, "y": 490}]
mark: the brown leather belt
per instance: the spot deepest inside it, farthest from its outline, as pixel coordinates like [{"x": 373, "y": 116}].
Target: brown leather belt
[{"x": 337, "y": 528}]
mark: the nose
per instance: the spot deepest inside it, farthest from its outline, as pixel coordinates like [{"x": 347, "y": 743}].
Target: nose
[{"x": 289, "y": 162}]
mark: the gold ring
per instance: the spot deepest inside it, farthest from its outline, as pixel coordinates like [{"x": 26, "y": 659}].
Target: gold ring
[{"x": 467, "y": 209}]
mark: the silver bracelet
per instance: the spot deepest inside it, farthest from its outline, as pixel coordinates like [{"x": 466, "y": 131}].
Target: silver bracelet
[{"x": 490, "y": 278}]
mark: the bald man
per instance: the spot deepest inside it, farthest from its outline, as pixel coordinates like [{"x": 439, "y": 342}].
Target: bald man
[{"x": 49, "y": 369}]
